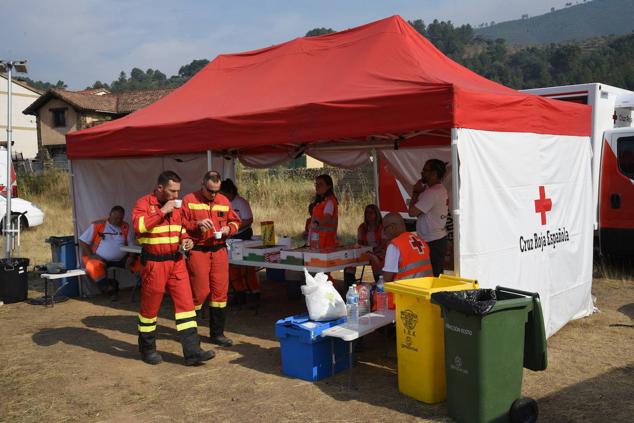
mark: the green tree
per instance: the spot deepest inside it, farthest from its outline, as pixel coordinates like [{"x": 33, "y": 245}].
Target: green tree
[{"x": 319, "y": 31}]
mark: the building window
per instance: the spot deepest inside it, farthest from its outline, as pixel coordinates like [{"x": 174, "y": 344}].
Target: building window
[{"x": 59, "y": 118}]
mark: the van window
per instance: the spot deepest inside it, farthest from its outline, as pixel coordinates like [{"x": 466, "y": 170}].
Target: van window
[{"x": 625, "y": 156}]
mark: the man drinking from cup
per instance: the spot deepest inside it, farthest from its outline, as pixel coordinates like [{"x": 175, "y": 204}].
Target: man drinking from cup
[
  {"x": 158, "y": 227},
  {"x": 210, "y": 220}
]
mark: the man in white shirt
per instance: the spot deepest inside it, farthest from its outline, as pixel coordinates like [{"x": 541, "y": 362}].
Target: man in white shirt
[
  {"x": 430, "y": 206},
  {"x": 101, "y": 248}
]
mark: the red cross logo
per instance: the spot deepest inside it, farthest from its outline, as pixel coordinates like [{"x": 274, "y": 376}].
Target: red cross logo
[
  {"x": 543, "y": 204},
  {"x": 416, "y": 244}
]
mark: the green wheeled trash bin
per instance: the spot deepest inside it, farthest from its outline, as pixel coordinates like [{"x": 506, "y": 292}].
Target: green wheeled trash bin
[{"x": 490, "y": 336}]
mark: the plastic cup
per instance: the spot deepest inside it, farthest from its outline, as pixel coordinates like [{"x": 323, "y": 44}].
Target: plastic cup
[
  {"x": 218, "y": 235},
  {"x": 178, "y": 203}
]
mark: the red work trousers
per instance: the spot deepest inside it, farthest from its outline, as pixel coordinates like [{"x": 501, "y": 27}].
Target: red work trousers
[
  {"x": 244, "y": 278},
  {"x": 209, "y": 271},
  {"x": 159, "y": 276}
]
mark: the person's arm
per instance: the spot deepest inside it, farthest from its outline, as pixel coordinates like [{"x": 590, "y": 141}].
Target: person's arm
[
  {"x": 143, "y": 221},
  {"x": 390, "y": 268},
  {"x": 85, "y": 249},
  {"x": 329, "y": 216},
  {"x": 85, "y": 241},
  {"x": 246, "y": 214},
  {"x": 233, "y": 223},
  {"x": 412, "y": 209}
]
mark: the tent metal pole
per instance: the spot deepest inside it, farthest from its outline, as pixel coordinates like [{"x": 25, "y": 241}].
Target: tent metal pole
[
  {"x": 209, "y": 160},
  {"x": 375, "y": 174},
  {"x": 71, "y": 177},
  {"x": 455, "y": 197}
]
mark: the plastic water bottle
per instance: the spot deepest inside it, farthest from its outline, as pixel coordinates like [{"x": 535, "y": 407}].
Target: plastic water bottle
[
  {"x": 352, "y": 304},
  {"x": 381, "y": 296},
  {"x": 380, "y": 285}
]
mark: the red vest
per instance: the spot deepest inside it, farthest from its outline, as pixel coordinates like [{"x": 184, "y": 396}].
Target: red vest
[
  {"x": 326, "y": 232},
  {"x": 98, "y": 233},
  {"x": 413, "y": 259}
]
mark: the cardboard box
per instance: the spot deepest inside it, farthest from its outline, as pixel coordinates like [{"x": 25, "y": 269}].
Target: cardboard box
[
  {"x": 293, "y": 257},
  {"x": 236, "y": 247},
  {"x": 330, "y": 257},
  {"x": 263, "y": 253}
]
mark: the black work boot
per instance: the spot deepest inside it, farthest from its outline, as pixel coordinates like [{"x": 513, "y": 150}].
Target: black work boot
[
  {"x": 147, "y": 347},
  {"x": 192, "y": 352},
  {"x": 217, "y": 317}
]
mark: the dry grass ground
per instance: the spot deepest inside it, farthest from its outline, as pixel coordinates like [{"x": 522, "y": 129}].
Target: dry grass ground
[{"x": 78, "y": 361}]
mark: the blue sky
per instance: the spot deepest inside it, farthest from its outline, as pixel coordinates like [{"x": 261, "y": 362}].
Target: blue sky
[{"x": 81, "y": 41}]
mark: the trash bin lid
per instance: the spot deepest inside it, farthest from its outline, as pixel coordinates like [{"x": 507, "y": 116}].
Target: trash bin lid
[
  {"x": 60, "y": 240},
  {"x": 424, "y": 287}
]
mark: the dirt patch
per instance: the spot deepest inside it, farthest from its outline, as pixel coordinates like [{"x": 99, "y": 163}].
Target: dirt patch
[{"x": 78, "y": 361}]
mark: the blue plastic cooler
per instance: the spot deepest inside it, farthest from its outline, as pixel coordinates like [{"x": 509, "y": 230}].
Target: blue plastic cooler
[{"x": 305, "y": 353}]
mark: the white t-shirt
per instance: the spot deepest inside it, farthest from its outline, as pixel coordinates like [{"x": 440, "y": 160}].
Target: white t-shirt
[
  {"x": 433, "y": 202},
  {"x": 242, "y": 207},
  {"x": 392, "y": 256},
  {"x": 110, "y": 246}
]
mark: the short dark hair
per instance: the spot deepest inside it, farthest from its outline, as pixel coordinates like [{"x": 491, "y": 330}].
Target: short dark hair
[
  {"x": 117, "y": 209},
  {"x": 213, "y": 176},
  {"x": 168, "y": 175},
  {"x": 229, "y": 187},
  {"x": 439, "y": 167}
]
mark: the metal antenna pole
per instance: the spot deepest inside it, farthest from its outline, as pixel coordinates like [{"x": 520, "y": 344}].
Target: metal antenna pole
[{"x": 8, "y": 184}]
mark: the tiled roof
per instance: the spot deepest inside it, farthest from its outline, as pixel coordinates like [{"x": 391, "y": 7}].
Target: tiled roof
[{"x": 94, "y": 101}]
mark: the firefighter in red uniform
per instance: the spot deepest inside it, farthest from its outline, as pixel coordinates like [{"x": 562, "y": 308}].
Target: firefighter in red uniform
[
  {"x": 210, "y": 220},
  {"x": 158, "y": 225}
]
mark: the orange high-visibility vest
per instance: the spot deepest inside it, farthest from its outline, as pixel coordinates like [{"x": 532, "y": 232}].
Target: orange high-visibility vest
[
  {"x": 413, "y": 259},
  {"x": 326, "y": 231},
  {"x": 98, "y": 233}
]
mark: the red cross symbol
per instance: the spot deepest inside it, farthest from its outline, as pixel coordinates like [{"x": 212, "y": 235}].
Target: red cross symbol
[
  {"x": 543, "y": 204},
  {"x": 416, "y": 244}
]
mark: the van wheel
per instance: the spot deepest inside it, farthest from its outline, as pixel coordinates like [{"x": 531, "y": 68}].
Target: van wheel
[{"x": 524, "y": 410}]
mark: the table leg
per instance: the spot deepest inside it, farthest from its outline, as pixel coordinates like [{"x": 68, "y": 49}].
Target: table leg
[
  {"x": 350, "y": 365},
  {"x": 45, "y": 291}
]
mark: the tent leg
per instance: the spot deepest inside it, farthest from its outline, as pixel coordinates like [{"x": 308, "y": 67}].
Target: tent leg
[{"x": 455, "y": 197}]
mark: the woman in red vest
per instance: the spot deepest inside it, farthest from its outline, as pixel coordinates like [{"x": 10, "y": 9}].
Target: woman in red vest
[
  {"x": 370, "y": 234},
  {"x": 324, "y": 220}
]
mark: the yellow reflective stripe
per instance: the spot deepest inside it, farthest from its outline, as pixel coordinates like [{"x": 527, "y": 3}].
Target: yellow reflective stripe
[
  {"x": 146, "y": 328},
  {"x": 142, "y": 228},
  {"x": 160, "y": 240},
  {"x": 185, "y": 314},
  {"x": 165, "y": 228},
  {"x": 198, "y": 307},
  {"x": 235, "y": 224},
  {"x": 186, "y": 325},
  {"x": 220, "y": 207},
  {"x": 195, "y": 206},
  {"x": 147, "y": 319},
  {"x": 218, "y": 304}
]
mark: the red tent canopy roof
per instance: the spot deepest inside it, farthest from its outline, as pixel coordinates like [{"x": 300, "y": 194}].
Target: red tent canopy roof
[{"x": 379, "y": 78}]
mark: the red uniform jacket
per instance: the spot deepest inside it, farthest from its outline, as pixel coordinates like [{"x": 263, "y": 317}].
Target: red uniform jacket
[
  {"x": 158, "y": 233},
  {"x": 196, "y": 207}
]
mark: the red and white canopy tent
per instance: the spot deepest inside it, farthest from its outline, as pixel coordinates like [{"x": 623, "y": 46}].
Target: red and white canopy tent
[{"x": 380, "y": 86}]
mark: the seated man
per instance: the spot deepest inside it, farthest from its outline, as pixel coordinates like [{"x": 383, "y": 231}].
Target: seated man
[
  {"x": 407, "y": 255},
  {"x": 101, "y": 248}
]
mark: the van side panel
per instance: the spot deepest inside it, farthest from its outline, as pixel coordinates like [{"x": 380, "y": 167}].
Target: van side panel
[{"x": 616, "y": 216}]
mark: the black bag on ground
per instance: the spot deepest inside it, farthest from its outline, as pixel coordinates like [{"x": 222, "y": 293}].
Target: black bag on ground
[{"x": 475, "y": 302}]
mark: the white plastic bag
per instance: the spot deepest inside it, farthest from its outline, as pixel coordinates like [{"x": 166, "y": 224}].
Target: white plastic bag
[{"x": 322, "y": 299}]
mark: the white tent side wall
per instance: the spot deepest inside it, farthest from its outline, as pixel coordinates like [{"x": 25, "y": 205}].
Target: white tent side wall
[
  {"x": 503, "y": 239},
  {"x": 99, "y": 184}
]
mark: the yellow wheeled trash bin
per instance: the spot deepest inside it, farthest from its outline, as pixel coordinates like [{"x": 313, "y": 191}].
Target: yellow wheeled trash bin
[{"x": 420, "y": 336}]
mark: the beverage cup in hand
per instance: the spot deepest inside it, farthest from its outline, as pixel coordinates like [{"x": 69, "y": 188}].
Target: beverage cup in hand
[
  {"x": 218, "y": 235},
  {"x": 178, "y": 203}
]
